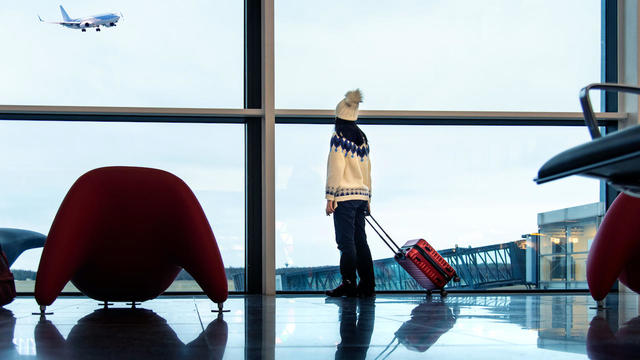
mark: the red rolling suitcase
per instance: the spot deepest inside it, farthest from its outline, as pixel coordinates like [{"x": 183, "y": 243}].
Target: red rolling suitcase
[{"x": 421, "y": 261}]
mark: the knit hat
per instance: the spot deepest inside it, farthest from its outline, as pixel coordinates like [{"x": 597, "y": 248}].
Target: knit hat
[{"x": 347, "y": 109}]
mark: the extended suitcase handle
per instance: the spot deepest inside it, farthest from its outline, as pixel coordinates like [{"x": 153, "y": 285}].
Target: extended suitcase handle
[
  {"x": 397, "y": 249},
  {"x": 456, "y": 278}
]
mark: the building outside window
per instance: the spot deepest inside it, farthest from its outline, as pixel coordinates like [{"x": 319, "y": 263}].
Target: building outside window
[{"x": 564, "y": 242}]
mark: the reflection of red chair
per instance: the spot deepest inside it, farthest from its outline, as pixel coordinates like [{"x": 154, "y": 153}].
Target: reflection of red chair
[
  {"x": 143, "y": 334},
  {"x": 615, "y": 252},
  {"x": 123, "y": 233},
  {"x": 603, "y": 343}
]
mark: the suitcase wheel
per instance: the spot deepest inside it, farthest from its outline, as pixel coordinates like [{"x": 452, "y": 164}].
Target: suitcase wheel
[
  {"x": 429, "y": 293},
  {"x": 443, "y": 293}
]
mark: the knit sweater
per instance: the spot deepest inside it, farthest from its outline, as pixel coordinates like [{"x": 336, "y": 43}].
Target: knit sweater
[{"x": 348, "y": 171}]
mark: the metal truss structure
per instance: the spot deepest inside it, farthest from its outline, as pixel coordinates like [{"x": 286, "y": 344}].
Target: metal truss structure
[{"x": 482, "y": 267}]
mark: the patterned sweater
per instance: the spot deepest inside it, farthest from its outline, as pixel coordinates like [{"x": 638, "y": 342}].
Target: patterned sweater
[{"x": 348, "y": 171}]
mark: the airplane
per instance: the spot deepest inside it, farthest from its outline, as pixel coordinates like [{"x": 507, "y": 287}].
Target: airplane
[{"x": 105, "y": 20}]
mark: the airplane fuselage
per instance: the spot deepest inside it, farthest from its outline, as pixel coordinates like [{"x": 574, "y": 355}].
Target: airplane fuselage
[
  {"x": 106, "y": 20},
  {"x": 95, "y": 21}
]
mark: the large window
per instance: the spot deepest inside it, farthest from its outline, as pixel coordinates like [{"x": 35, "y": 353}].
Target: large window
[
  {"x": 459, "y": 187},
  {"x": 186, "y": 54},
  {"x": 41, "y": 160},
  {"x": 466, "y": 189},
  {"x": 438, "y": 55}
]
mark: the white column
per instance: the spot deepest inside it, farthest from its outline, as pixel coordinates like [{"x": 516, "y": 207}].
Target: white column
[
  {"x": 268, "y": 151},
  {"x": 628, "y": 14}
]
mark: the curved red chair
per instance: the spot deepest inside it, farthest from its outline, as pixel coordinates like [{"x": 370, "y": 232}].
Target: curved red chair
[
  {"x": 124, "y": 233},
  {"x": 615, "y": 252}
]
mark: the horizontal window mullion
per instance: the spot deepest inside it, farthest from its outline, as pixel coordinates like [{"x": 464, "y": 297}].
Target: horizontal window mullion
[
  {"x": 214, "y": 119},
  {"x": 380, "y": 117},
  {"x": 127, "y": 111}
]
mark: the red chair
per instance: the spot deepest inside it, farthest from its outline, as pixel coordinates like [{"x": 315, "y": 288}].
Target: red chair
[
  {"x": 124, "y": 233},
  {"x": 615, "y": 252}
]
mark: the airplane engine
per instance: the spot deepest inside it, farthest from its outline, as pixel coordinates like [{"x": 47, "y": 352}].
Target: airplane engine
[{"x": 87, "y": 24}]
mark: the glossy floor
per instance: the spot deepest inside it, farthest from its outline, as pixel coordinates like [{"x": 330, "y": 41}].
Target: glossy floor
[{"x": 312, "y": 327}]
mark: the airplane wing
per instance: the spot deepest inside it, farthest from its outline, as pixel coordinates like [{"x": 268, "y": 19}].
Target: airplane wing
[{"x": 59, "y": 22}]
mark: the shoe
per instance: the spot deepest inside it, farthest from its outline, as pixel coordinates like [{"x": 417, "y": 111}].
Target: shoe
[{"x": 345, "y": 289}]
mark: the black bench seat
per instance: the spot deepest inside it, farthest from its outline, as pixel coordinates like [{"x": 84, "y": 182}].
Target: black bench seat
[{"x": 614, "y": 158}]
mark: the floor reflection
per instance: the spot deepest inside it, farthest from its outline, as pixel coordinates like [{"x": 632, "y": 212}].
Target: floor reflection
[
  {"x": 130, "y": 334},
  {"x": 428, "y": 322},
  {"x": 604, "y": 343},
  {"x": 531, "y": 326},
  {"x": 7, "y": 326},
  {"x": 356, "y": 317}
]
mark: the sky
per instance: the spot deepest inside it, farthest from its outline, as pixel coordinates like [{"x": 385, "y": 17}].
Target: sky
[
  {"x": 164, "y": 54},
  {"x": 450, "y": 185},
  {"x": 523, "y": 55}
]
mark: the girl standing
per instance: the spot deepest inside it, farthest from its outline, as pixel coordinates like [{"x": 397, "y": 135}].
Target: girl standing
[{"x": 348, "y": 194}]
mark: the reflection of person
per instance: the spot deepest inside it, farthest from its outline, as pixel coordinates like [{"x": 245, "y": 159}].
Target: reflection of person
[
  {"x": 602, "y": 343},
  {"x": 357, "y": 317},
  {"x": 348, "y": 194}
]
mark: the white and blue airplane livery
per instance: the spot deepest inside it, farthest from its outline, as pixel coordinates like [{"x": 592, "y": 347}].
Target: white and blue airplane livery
[{"x": 95, "y": 21}]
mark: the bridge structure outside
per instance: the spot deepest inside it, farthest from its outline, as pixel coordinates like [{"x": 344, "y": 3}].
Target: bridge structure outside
[{"x": 484, "y": 267}]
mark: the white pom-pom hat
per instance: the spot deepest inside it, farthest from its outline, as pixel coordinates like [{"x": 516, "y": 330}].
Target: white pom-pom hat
[{"x": 347, "y": 109}]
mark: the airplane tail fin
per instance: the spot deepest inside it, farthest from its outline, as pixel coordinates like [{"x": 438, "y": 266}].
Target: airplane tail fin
[{"x": 65, "y": 16}]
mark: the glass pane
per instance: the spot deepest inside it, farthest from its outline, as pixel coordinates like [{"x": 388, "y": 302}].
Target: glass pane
[
  {"x": 437, "y": 55},
  {"x": 41, "y": 160},
  {"x": 553, "y": 268},
  {"x": 160, "y": 55},
  {"x": 578, "y": 268},
  {"x": 553, "y": 240},
  {"x": 468, "y": 190},
  {"x": 581, "y": 235}
]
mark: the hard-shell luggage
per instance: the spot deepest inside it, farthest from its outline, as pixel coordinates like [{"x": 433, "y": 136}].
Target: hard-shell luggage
[{"x": 421, "y": 261}]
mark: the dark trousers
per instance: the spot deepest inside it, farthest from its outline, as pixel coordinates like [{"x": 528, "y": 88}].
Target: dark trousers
[{"x": 349, "y": 223}]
